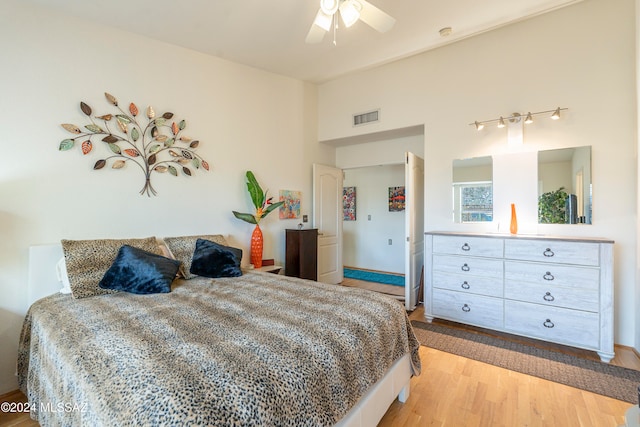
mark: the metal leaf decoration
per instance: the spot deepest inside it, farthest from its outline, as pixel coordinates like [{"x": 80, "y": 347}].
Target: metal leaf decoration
[
  {"x": 155, "y": 146},
  {"x": 71, "y": 128},
  {"x": 87, "y": 146}
]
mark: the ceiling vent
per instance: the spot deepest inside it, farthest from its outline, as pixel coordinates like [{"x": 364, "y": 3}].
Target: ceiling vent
[{"x": 366, "y": 118}]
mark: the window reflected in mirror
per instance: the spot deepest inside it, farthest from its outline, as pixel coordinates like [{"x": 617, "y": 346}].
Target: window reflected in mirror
[
  {"x": 473, "y": 190},
  {"x": 564, "y": 186}
]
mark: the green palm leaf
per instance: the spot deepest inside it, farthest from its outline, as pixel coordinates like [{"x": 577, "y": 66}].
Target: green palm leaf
[
  {"x": 245, "y": 217},
  {"x": 255, "y": 191}
]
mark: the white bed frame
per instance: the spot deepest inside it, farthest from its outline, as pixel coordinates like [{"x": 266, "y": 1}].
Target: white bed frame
[{"x": 43, "y": 281}]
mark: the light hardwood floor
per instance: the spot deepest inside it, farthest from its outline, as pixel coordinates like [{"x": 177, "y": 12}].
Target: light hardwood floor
[{"x": 454, "y": 391}]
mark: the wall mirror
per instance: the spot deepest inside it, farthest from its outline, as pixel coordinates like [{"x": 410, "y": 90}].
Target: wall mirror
[
  {"x": 473, "y": 190},
  {"x": 564, "y": 186}
]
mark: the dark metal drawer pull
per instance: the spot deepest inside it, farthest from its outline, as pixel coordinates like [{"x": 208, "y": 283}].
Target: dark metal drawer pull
[
  {"x": 466, "y": 308},
  {"x": 548, "y": 297},
  {"x": 465, "y": 285},
  {"x": 466, "y": 247},
  {"x": 548, "y": 276},
  {"x": 465, "y": 267},
  {"x": 548, "y": 324},
  {"x": 548, "y": 252}
]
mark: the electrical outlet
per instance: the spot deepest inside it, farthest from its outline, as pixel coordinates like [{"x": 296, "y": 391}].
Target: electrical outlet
[
  {"x": 305, "y": 218},
  {"x": 390, "y": 242},
  {"x": 368, "y": 217}
]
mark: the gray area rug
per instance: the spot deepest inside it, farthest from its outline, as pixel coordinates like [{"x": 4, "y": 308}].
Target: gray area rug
[{"x": 597, "y": 377}]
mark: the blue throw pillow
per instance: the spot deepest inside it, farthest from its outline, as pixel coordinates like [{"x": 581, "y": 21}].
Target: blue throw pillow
[
  {"x": 211, "y": 259},
  {"x": 140, "y": 272}
]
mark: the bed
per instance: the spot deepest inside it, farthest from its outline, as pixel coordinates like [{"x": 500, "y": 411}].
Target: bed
[{"x": 259, "y": 349}]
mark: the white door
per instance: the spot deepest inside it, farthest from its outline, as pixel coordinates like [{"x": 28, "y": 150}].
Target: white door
[
  {"x": 414, "y": 228},
  {"x": 327, "y": 218}
]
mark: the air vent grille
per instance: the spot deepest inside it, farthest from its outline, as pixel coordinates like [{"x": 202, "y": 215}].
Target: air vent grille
[{"x": 366, "y": 118}]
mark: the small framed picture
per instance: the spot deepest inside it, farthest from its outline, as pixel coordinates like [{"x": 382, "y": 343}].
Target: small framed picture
[{"x": 396, "y": 199}]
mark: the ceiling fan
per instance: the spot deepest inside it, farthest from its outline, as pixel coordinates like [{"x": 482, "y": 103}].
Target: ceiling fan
[{"x": 350, "y": 11}]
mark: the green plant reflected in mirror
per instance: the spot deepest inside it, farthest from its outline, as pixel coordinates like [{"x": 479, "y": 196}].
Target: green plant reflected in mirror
[
  {"x": 473, "y": 190},
  {"x": 564, "y": 186}
]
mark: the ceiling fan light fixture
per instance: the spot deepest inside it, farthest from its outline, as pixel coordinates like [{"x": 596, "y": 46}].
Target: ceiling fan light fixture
[
  {"x": 329, "y": 7},
  {"x": 350, "y": 12}
]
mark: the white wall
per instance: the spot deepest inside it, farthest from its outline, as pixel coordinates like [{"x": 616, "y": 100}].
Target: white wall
[
  {"x": 245, "y": 119},
  {"x": 366, "y": 241},
  {"x": 378, "y": 152},
  {"x": 556, "y": 59},
  {"x": 637, "y": 93}
]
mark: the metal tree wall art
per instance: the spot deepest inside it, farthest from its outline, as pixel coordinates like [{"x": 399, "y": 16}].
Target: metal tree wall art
[{"x": 155, "y": 146}]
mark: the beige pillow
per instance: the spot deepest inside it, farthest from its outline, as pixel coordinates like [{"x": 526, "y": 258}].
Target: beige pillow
[
  {"x": 88, "y": 260},
  {"x": 182, "y": 249}
]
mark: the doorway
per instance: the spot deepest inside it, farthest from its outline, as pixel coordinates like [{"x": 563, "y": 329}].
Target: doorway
[{"x": 396, "y": 249}]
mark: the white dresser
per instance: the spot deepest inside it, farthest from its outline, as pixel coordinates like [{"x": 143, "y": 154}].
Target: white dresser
[{"x": 550, "y": 288}]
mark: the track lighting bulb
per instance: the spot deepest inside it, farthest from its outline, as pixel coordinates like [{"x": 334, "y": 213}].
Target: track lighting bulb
[
  {"x": 528, "y": 119},
  {"x": 479, "y": 126},
  {"x": 556, "y": 114},
  {"x": 501, "y": 123}
]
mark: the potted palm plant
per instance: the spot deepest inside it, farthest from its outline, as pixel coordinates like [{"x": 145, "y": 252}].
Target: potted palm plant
[{"x": 264, "y": 206}]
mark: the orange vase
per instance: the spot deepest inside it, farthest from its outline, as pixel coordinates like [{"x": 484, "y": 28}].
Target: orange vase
[
  {"x": 256, "y": 247},
  {"x": 514, "y": 221}
]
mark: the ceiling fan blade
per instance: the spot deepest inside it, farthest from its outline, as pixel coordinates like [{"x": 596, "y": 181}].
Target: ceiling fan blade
[
  {"x": 375, "y": 18},
  {"x": 320, "y": 26},
  {"x": 315, "y": 34}
]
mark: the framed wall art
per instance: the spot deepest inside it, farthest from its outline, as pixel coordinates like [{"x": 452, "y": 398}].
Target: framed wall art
[
  {"x": 349, "y": 203},
  {"x": 396, "y": 199},
  {"x": 290, "y": 209}
]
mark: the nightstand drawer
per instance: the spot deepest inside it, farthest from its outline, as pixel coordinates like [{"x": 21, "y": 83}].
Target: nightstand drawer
[
  {"x": 572, "y": 327},
  {"x": 466, "y": 308},
  {"x": 551, "y": 251},
  {"x": 468, "y": 266},
  {"x": 464, "y": 245}
]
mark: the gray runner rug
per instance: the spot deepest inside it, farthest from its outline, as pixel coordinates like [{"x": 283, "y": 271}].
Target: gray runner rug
[{"x": 594, "y": 376}]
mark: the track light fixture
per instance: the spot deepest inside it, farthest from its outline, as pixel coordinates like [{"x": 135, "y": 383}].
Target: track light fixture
[{"x": 516, "y": 117}]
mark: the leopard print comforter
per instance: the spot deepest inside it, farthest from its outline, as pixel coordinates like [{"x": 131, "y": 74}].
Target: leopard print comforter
[{"x": 256, "y": 350}]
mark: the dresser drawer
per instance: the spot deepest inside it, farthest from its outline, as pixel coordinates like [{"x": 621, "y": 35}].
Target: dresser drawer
[
  {"x": 551, "y": 251},
  {"x": 555, "y": 296},
  {"x": 466, "y": 308},
  {"x": 481, "y": 285},
  {"x": 468, "y": 266},
  {"x": 572, "y": 327},
  {"x": 464, "y": 245},
  {"x": 552, "y": 275}
]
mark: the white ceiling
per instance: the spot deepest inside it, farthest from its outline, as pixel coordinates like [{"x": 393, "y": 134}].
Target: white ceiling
[{"x": 270, "y": 34}]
